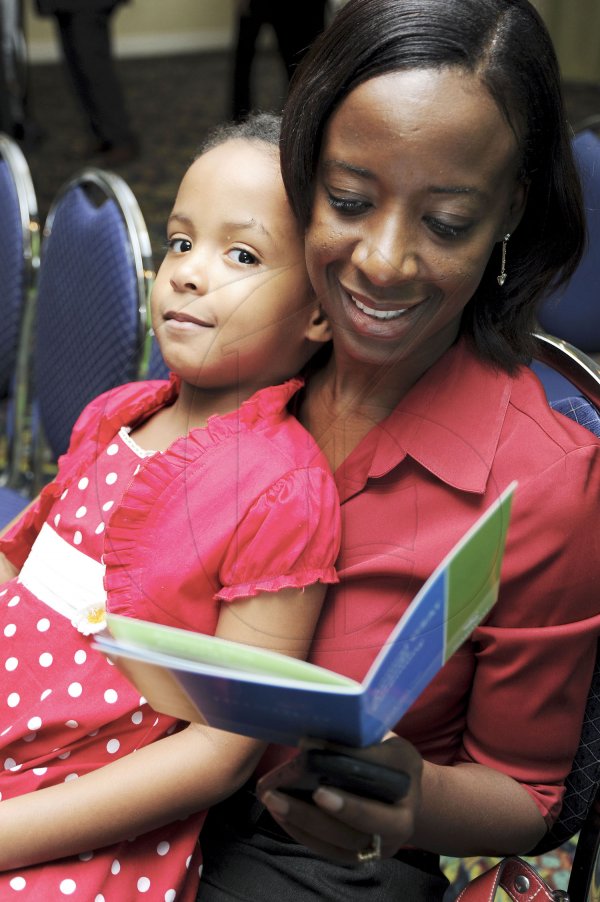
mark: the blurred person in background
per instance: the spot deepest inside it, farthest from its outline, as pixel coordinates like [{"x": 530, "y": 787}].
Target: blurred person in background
[{"x": 84, "y": 30}]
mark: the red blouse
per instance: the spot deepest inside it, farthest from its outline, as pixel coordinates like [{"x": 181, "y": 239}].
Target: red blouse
[{"x": 513, "y": 697}]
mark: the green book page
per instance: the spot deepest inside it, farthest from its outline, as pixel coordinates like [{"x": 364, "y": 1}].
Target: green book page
[
  {"x": 472, "y": 583},
  {"x": 217, "y": 652}
]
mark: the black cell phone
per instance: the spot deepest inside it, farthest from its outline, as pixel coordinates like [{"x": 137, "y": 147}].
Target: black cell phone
[{"x": 315, "y": 767}]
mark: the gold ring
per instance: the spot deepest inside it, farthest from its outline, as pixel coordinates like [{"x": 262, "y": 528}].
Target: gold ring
[{"x": 373, "y": 851}]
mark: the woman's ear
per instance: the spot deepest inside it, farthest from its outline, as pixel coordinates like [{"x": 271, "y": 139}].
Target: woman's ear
[{"x": 318, "y": 328}]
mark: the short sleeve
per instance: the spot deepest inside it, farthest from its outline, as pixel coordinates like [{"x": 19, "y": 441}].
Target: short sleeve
[{"x": 289, "y": 538}]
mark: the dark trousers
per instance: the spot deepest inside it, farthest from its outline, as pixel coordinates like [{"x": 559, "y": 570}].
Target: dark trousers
[
  {"x": 86, "y": 45},
  {"x": 250, "y": 859},
  {"x": 296, "y": 25}
]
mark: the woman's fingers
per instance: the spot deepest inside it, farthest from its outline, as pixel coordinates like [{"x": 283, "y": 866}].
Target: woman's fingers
[{"x": 340, "y": 824}]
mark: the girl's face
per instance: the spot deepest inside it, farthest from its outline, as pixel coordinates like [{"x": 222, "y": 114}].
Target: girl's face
[
  {"x": 232, "y": 306},
  {"x": 416, "y": 183}
]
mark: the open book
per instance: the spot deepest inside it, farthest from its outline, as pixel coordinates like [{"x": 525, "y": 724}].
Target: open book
[{"x": 280, "y": 699}]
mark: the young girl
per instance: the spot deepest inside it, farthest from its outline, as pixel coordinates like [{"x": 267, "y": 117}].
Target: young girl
[{"x": 198, "y": 502}]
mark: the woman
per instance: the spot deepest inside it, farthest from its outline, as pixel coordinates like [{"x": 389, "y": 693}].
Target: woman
[{"x": 426, "y": 152}]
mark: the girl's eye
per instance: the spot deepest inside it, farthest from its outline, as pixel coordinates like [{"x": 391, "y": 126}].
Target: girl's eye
[
  {"x": 446, "y": 229},
  {"x": 241, "y": 255},
  {"x": 346, "y": 205},
  {"x": 179, "y": 245}
]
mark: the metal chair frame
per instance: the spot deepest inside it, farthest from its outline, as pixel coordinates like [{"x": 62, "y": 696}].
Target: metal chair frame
[
  {"x": 112, "y": 187},
  {"x": 17, "y": 451}
]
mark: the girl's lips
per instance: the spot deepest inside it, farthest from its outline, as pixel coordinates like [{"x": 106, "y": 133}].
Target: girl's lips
[{"x": 186, "y": 319}]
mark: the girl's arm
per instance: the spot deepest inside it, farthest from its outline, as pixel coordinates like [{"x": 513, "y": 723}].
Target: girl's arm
[
  {"x": 456, "y": 810},
  {"x": 171, "y": 778}
]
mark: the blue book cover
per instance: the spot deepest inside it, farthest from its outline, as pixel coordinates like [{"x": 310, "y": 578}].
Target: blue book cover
[{"x": 272, "y": 697}]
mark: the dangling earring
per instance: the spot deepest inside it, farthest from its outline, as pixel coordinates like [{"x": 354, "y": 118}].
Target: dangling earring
[{"x": 501, "y": 279}]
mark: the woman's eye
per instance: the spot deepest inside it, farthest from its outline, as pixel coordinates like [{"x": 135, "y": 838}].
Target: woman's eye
[
  {"x": 179, "y": 245},
  {"x": 446, "y": 229},
  {"x": 241, "y": 255},
  {"x": 349, "y": 206}
]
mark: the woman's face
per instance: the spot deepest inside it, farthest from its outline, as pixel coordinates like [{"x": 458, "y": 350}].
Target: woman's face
[{"x": 416, "y": 183}]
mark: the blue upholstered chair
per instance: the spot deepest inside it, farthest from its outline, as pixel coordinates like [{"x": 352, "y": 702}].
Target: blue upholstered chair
[
  {"x": 157, "y": 368},
  {"x": 19, "y": 259},
  {"x": 91, "y": 323},
  {"x": 573, "y": 311}
]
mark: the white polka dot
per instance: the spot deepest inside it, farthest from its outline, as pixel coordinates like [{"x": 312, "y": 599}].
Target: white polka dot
[
  {"x": 43, "y": 625},
  {"x": 86, "y": 856},
  {"x": 187, "y": 861},
  {"x": 29, "y": 737},
  {"x": 77, "y": 537},
  {"x": 107, "y": 505},
  {"x": 115, "y": 866},
  {"x": 34, "y": 723},
  {"x": 67, "y": 887},
  {"x": 17, "y": 883},
  {"x": 45, "y": 659},
  {"x": 81, "y": 512},
  {"x": 72, "y": 724},
  {"x": 163, "y": 847},
  {"x": 6, "y": 730},
  {"x": 143, "y": 885},
  {"x": 111, "y": 696},
  {"x": 45, "y": 694},
  {"x": 13, "y": 699},
  {"x": 70, "y": 777},
  {"x": 112, "y": 449},
  {"x": 11, "y": 663},
  {"x": 14, "y": 601},
  {"x": 111, "y": 478},
  {"x": 64, "y": 755},
  {"x": 170, "y": 895},
  {"x": 9, "y": 763},
  {"x": 112, "y": 746},
  {"x": 99, "y": 898},
  {"x": 64, "y": 494},
  {"x": 39, "y": 771},
  {"x": 137, "y": 469},
  {"x": 80, "y": 656},
  {"x": 9, "y": 630},
  {"x": 100, "y": 528},
  {"x": 83, "y": 483},
  {"x": 137, "y": 717},
  {"x": 57, "y": 520},
  {"x": 75, "y": 690},
  {"x": 3, "y": 592}
]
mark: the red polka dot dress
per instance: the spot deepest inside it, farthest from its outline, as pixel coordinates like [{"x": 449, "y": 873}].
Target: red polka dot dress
[{"x": 65, "y": 710}]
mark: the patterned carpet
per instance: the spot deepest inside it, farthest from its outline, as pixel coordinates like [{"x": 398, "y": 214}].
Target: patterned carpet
[{"x": 173, "y": 101}]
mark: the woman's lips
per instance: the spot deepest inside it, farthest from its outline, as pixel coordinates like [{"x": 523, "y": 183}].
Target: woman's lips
[{"x": 377, "y": 313}]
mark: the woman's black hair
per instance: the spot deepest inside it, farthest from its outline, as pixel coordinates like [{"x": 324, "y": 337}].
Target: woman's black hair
[{"x": 504, "y": 43}]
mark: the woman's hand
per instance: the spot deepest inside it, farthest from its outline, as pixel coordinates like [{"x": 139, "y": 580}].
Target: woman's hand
[{"x": 341, "y": 825}]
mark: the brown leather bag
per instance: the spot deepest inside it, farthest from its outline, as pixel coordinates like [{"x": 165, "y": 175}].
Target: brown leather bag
[{"x": 517, "y": 878}]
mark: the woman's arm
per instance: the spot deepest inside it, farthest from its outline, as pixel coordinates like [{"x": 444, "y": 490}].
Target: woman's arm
[
  {"x": 460, "y": 810},
  {"x": 171, "y": 778}
]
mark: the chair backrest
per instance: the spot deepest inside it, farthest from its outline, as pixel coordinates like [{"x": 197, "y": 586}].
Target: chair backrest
[
  {"x": 157, "y": 368},
  {"x": 91, "y": 323},
  {"x": 582, "y": 783},
  {"x": 573, "y": 311},
  {"x": 19, "y": 261}
]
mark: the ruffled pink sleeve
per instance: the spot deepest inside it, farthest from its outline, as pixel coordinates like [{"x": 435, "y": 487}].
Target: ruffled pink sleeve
[{"x": 289, "y": 538}]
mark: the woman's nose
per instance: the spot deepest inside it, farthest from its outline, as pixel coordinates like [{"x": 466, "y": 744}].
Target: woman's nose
[{"x": 386, "y": 252}]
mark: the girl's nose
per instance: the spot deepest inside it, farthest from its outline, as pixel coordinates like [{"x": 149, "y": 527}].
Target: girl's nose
[
  {"x": 386, "y": 252},
  {"x": 190, "y": 275}
]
